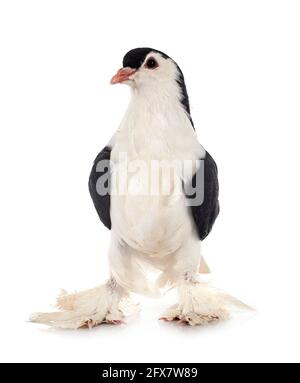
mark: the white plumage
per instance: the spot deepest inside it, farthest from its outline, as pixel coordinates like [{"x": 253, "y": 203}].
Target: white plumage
[{"x": 150, "y": 231}]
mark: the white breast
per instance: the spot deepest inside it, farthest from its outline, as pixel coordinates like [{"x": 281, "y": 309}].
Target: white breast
[{"x": 151, "y": 215}]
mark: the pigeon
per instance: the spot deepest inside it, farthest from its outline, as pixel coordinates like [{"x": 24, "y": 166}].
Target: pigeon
[{"x": 156, "y": 189}]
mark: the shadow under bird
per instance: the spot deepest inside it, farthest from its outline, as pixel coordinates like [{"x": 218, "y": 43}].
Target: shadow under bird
[{"x": 160, "y": 214}]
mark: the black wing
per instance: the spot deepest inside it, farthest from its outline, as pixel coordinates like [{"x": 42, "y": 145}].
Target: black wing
[
  {"x": 205, "y": 213},
  {"x": 101, "y": 200}
]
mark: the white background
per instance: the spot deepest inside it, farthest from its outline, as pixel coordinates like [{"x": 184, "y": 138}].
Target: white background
[{"x": 241, "y": 61}]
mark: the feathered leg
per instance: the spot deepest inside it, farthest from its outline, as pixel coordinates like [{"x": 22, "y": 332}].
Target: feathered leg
[
  {"x": 86, "y": 308},
  {"x": 198, "y": 302},
  {"x": 106, "y": 303}
]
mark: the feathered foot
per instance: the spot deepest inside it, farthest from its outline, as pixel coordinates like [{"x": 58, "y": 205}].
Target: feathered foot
[
  {"x": 88, "y": 308},
  {"x": 200, "y": 304}
]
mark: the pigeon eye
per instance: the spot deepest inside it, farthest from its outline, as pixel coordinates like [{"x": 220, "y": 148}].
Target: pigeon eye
[{"x": 151, "y": 63}]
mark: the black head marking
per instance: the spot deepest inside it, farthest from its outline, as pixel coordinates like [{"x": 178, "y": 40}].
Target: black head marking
[
  {"x": 184, "y": 96},
  {"x": 134, "y": 59}
]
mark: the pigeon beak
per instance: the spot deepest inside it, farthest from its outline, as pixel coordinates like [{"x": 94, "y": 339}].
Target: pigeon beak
[{"x": 122, "y": 75}]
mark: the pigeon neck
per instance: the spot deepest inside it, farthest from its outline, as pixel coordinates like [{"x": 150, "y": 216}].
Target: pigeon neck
[
  {"x": 157, "y": 123},
  {"x": 163, "y": 103}
]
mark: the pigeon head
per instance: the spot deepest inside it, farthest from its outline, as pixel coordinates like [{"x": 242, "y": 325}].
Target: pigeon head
[{"x": 150, "y": 70}]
